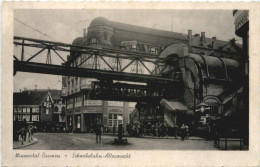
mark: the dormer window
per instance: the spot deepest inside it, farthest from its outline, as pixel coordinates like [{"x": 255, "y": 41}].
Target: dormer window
[
  {"x": 134, "y": 47},
  {"x": 93, "y": 41},
  {"x": 154, "y": 50}
]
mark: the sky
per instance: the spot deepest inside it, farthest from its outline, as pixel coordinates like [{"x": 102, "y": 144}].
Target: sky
[{"x": 66, "y": 25}]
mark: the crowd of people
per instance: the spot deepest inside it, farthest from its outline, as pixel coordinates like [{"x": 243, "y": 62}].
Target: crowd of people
[
  {"x": 23, "y": 131},
  {"x": 158, "y": 129}
]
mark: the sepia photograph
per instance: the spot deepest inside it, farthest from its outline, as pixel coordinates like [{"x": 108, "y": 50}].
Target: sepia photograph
[{"x": 133, "y": 79}]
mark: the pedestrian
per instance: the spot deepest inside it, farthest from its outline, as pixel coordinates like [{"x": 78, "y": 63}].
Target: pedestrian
[
  {"x": 23, "y": 130},
  {"x": 167, "y": 131},
  {"x": 15, "y": 130},
  {"x": 127, "y": 128},
  {"x": 215, "y": 132},
  {"x": 183, "y": 132},
  {"x": 156, "y": 129},
  {"x": 98, "y": 130},
  {"x": 187, "y": 131},
  {"x": 30, "y": 132},
  {"x": 114, "y": 130}
]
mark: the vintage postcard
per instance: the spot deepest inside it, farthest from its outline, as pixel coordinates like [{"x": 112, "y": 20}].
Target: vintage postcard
[{"x": 130, "y": 84}]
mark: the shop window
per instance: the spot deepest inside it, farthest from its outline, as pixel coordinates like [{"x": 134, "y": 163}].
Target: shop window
[{"x": 115, "y": 120}]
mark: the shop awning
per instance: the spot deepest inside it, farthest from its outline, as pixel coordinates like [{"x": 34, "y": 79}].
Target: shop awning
[{"x": 175, "y": 106}]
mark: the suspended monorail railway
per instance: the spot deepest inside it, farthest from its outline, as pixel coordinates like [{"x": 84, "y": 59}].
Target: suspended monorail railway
[{"x": 189, "y": 88}]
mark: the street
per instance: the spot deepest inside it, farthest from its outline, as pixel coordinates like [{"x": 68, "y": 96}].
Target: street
[{"x": 86, "y": 141}]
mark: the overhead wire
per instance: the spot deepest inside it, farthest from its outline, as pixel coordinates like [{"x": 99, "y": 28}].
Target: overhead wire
[
  {"x": 42, "y": 34},
  {"x": 34, "y": 29}
]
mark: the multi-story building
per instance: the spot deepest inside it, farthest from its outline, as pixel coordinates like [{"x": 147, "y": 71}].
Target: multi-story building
[
  {"x": 39, "y": 107},
  {"x": 59, "y": 107},
  {"x": 81, "y": 111}
]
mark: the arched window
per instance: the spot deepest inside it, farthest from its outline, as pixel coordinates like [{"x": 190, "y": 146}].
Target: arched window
[{"x": 56, "y": 109}]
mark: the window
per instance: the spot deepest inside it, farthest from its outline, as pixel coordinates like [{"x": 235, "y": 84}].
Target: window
[
  {"x": 24, "y": 110},
  {"x": 19, "y": 110},
  {"x": 115, "y": 120},
  {"x": 78, "y": 122},
  {"x": 93, "y": 41},
  {"x": 56, "y": 109},
  {"x": 35, "y": 117},
  {"x": 35, "y": 110},
  {"x": 110, "y": 123},
  {"x": 27, "y": 117},
  {"x": 16, "y": 110},
  {"x": 134, "y": 47},
  {"x": 78, "y": 101},
  {"x": 153, "y": 50},
  {"x": 70, "y": 104},
  {"x": 47, "y": 110}
]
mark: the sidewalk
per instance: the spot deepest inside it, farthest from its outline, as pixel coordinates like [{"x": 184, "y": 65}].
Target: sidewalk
[
  {"x": 155, "y": 137},
  {"x": 18, "y": 144}
]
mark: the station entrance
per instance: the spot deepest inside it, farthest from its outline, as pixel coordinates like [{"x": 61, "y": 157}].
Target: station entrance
[{"x": 90, "y": 120}]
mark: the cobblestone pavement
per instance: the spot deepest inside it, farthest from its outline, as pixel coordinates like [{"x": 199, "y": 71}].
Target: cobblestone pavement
[{"x": 84, "y": 141}]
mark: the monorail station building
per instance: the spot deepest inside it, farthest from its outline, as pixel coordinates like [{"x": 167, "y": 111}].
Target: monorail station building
[{"x": 209, "y": 69}]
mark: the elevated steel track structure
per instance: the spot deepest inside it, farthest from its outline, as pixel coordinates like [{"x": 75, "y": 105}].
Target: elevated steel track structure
[{"x": 154, "y": 79}]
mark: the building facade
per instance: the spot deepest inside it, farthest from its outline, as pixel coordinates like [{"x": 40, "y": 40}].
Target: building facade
[
  {"x": 37, "y": 107},
  {"x": 59, "y": 108},
  {"x": 81, "y": 111}
]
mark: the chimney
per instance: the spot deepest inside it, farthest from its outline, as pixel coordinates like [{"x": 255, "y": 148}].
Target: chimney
[
  {"x": 189, "y": 35},
  {"x": 203, "y": 38},
  {"x": 213, "y": 42},
  {"x": 84, "y": 32}
]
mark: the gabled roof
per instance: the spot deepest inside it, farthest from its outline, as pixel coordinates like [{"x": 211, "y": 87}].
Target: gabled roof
[
  {"x": 55, "y": 94},
  {"x": 35, "y": 97},
  {"x": 29, "y": 98}
]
